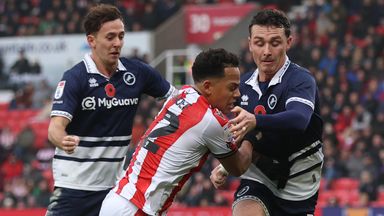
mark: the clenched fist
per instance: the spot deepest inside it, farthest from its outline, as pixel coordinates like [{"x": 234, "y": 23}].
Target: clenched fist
[
  {"x": 69, "y": 143},
  {"x": 218, "y": 176}
]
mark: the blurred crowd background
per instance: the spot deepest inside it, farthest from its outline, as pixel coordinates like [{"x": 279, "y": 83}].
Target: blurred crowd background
[{"x": 340, "y": 41}]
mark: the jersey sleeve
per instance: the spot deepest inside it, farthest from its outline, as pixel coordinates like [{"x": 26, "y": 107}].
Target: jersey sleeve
[
  {"x": 218, "y": 138},
  {"x": 155, "y": 85},
  {"x": 66, "y": 97},
  {"x": 302, "y": 90},
  {"x": 299, "y": 106}
]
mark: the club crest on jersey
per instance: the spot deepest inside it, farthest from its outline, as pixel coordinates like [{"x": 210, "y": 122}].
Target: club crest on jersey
[
  {"x": 59, "y": 90},
  {"x": 272, "y": 101},
  {"x": 93, "y": 82},
  {"x": 129, "y": 78},
  {"x": 244, "y": 100},
  {"x": 229, "y": 138},
  {"x": 220, "y": 114}
]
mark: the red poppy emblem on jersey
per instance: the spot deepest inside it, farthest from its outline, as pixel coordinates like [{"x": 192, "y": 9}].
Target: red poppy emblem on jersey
[
  {"x": 110, "y": 90},
  {"x": 260, "y": 110}
]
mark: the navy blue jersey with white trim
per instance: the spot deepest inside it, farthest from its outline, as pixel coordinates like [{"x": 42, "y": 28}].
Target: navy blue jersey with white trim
[
  {"x": 293, "y": 85},
  {"x": 287, "y": 125},
  {"x": 101, "y": 111}
]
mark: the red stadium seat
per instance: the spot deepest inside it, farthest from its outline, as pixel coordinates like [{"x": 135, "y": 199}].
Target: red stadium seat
[
  {"x": 354, "y": 198},
  {"x": 3, "y": 117},
  {"x": 339, "y": 197},
  {"x": 15, "y": 125},
  {"x": 4, "y": 106},
  {"x": 323, "y": 184},
  {"x": 380, "y": 196},
  {"x": 14, "y": 115},
  {"x": 377, "y": 203},
  {"x": 27, "y": 114},
  {"x": 41, "y": 131},
  {"x": 345, "y": 184},
  {"x": 326, "y": 197}
]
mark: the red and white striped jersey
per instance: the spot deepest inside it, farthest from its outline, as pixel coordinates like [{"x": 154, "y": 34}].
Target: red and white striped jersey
[{"x": 176, "y": 144}]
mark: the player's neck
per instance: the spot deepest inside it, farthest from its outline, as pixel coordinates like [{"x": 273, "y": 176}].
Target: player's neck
[
  {"x": 263, "y": 77},
  {"x": 105, "y": 69},
  {"x": 267, "y": 76},
  {"x": 196, "y": 87}
]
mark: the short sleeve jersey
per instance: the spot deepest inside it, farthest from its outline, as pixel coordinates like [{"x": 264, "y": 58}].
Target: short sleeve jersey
[
  {"x": 101, "y": 112},
  {"x": 176, "y": 145}
]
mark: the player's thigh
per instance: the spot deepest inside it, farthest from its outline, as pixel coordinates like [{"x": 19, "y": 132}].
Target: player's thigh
[
  {"x": 60, "y": 203},
  {"x": 117, "y": 205},
  {"x": 249, "y": 207},
  {"x": 251, "y": 198}
]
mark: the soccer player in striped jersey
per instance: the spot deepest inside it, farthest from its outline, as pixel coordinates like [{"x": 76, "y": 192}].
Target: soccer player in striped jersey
[
  {"x": 189, "y": 127},
  {"x": 280, "y": 108},
  {"x": 92, "y": 115}
]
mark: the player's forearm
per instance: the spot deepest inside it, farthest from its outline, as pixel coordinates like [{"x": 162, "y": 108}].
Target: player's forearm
[
  {"x": 56, "y": 133},
  {"x": 245, "y": 157},
  {"x": 242, "y": 160},
  {"x": 288, "y": 120}
]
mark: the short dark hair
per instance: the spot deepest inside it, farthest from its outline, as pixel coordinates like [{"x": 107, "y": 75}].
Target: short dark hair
[
  {"x": 98, "y": 15},
  {"x": 271, "y": 17},
  {"x": 211, "y": 63}
]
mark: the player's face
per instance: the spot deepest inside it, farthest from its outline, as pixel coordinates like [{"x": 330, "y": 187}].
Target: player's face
[
  {"x": 225, "y": 90},
  {"x": 106, "y": 44},
  {"x": 268, "y": 46}
]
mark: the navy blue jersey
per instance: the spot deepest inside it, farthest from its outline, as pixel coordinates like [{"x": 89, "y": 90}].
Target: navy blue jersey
[
  {"x": 288, "y": 130},
  {"x": 101, "y": 112},
  {"x": 280, "y": 136}
]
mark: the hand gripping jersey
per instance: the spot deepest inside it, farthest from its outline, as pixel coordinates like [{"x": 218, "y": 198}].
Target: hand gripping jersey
[
  {"x": 176, "y": 145},
  {"x": 101, "y": 112},
  {"x": 291, "y": 86}
]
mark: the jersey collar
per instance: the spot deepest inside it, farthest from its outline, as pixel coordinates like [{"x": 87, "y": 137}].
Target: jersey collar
[
  {"x": 91, "y": 66},
  {"x": 254, "y": 83}
]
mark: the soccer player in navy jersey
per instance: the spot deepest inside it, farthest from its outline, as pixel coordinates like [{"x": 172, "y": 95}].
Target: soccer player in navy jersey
[
  {"x": 92, "y": 116},
  {"x": 280, "y": 112},
  {"x": 189, "y": 127}
]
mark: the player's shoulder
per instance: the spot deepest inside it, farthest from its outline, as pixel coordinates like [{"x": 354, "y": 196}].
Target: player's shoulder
[
  {"x": 246, "y": 76},
  {"x": 299, "y": 73},
  {"x": 129, "y": 62},
  {"x": 79, "y": 70},
  {"x": 137, "y": 66},
  {"x": 219, "y": 117}
]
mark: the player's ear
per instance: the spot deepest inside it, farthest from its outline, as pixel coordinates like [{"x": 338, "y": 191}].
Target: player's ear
[
  {"x": 207, "y": 87},
  {"x": 91, "y": 40},
  {"x": 249, "y": 44},
  {"x": 289, "y": 42}
]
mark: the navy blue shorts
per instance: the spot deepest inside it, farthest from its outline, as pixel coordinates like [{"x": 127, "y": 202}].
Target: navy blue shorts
[
  {"x": 71, "y": 202},
  {"x": 276, "y": 206}
]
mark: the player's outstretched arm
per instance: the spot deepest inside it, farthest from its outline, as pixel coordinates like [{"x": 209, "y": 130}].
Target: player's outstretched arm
[{"x": 59, "y": 137}]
